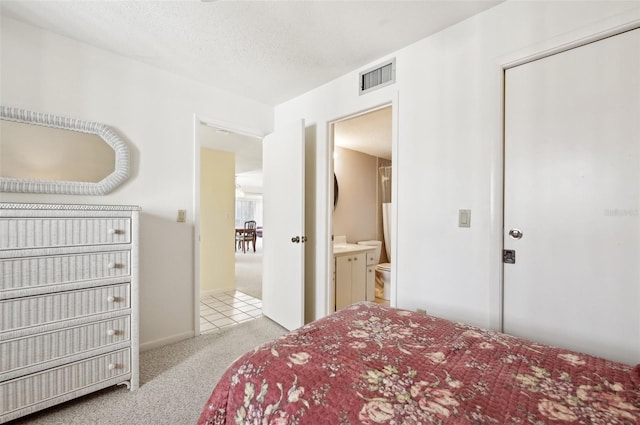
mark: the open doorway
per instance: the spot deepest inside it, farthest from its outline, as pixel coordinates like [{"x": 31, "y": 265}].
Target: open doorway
[
  {"x": 229, "y": 224},
  {"x": 361, "y": 219}
]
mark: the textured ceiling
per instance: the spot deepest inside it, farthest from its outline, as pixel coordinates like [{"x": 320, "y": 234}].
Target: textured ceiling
[
  {"x": 269, "y": 51},
  {"x": 369, "y": 133}
]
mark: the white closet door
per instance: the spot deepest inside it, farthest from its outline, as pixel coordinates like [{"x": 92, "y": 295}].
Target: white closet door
[{"x": 572, "y": 187}]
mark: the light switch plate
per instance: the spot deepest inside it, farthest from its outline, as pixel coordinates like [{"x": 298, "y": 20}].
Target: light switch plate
[
  {"x": 464, "y": 218},
  {"x": 182, "y": 216}
]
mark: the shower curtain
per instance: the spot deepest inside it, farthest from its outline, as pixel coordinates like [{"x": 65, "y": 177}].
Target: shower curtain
[{"x": 385, "y": 185}]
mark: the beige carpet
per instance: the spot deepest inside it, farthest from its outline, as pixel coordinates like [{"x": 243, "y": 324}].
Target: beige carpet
[
  {"x": 176, "y": 381},
  {"x": 249, "y": 271}
]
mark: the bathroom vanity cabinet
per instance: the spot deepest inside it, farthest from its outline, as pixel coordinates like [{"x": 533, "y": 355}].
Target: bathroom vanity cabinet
[
  {"x": 372, "y": 261},
  {"x": 351, "y": 279},
  {"x": 354, "y": 276}
]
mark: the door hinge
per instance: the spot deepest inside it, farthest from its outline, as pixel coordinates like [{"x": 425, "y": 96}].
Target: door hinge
[{"x": 509, "y": 256}]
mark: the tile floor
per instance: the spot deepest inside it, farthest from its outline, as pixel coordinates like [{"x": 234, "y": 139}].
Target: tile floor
[{"x": 227, "y": 309}]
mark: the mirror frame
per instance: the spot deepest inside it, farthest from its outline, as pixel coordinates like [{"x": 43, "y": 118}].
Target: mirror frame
[
  {"x": 106, "y": 133},
  {"x": 335, "y": 191}
]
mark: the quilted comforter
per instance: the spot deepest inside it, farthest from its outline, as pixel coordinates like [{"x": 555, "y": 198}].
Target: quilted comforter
[{"x": 369, "y": 364}]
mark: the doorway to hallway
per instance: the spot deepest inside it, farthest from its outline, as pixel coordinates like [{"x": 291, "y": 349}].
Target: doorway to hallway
[
  {"x": 229, "y": 186},
  {"x": 248, "y": 268}
]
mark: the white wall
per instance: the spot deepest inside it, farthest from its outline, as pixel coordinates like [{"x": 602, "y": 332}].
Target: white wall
[
  {"x": 153, "y": 111},
  {"x": 448, "y": 155}
]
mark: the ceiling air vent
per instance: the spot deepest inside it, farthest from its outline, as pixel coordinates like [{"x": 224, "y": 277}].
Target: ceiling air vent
[{"x": 378, "y": 76}]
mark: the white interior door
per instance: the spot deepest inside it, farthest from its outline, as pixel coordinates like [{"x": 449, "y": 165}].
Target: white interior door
[
  {"x": 283, "y": 217},
  {"x": 572, "y": 187}
]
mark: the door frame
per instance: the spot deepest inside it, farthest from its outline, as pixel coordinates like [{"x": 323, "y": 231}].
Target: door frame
[
  {"x": 393, "y": 103},
  {"x": 199, "y": 120},
  {"x": 555, "y": 45}
]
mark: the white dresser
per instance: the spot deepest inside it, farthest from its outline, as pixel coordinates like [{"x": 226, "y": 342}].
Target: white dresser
[{"x": 68, "y": 303}]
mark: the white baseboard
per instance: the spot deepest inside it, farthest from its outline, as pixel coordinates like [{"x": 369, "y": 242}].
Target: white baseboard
[
  {"x": 215, "y": 291},
  {"x": 166, "y": 341}
]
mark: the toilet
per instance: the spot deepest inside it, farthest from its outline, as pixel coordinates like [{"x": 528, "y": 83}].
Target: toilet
[
  {"x": 383, "y": 278},
  {"x": 383, "y": 272}
]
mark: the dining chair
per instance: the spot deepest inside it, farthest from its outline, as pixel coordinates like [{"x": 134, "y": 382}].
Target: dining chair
[
  {"x": 249, "y": 235},
  {"x": 239, "y": 243}
]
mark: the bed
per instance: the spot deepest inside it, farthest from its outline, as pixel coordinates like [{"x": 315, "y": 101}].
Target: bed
[{"x": 370, "y": 364}]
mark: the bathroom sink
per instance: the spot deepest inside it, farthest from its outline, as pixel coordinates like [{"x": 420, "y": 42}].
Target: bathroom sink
[{"x": 341, "y": 248}]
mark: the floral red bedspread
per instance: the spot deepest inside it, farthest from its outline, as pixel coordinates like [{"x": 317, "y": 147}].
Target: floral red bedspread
[{"x": 370, "y": 364}]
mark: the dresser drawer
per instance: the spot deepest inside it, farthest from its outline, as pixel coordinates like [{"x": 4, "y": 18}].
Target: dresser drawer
[
  {"x": 19, "y": 233},
  {"x": 36, "y": 349},
  {"x": 29, "y": 272},
  {"x": 20, "y": 313},
  {"x": 39, "y": 387}
]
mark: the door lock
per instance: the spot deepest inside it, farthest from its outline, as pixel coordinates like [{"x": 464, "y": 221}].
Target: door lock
[
  {"x": 295, "y": 239},
  {"x": 509, "y": 256}
]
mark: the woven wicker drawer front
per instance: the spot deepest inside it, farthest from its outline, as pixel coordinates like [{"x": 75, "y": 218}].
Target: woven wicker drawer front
[
  {"x": 18, "y": 233},
  {"x": 32, "y": 389},
  {"x": 28, "y": 351},
  {"x": 24, "y": 312},
  {"x": 30, "y": 272}
]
